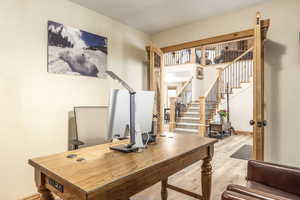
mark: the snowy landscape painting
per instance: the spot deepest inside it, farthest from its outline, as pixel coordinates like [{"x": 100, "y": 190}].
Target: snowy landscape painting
[{"x": 76, "y": 52}]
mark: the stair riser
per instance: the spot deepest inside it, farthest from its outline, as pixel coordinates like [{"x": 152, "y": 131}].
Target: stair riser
[
  {"x": 190, "y": 115},
  {"x": 187, "y": 126},
  {"x": 193, "y": 110},
  {"x": 183, "y": 132}
]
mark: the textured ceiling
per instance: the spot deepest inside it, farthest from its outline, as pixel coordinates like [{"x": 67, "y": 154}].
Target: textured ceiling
[{"x": 152, "y": 16}]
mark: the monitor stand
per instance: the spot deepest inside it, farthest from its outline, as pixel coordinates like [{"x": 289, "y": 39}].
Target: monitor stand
[{"x": 126, "y": 148}]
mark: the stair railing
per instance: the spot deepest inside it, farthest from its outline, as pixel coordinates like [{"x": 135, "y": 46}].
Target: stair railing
[
  {"x": 180, "y": 103},
  {"x": 208, "y": 105},
  {"x": 238, "y": 71}
]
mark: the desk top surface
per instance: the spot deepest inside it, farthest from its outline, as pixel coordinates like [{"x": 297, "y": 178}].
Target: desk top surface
[{"x": 102, "y": 166}]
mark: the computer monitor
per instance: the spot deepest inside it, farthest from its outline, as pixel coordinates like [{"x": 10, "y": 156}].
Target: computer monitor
[{"x": 119, "y": 112}]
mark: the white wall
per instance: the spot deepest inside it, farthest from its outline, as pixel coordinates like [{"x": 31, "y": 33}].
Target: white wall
[
  {"x": 282, "y": 65},
  {"x": 197, "y": 89},
  {"x": 241, "y": 107},
  {"x": 210, "y": 76},
  {"x": 182, "y": 73},
  {"x": 35, "y": 104}
]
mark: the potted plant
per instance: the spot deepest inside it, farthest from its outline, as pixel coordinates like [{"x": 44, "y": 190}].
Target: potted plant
[{"x": 223, "y": 114}]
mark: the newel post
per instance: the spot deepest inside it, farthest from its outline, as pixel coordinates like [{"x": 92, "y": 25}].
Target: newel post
[
  {"x": 193, "y": 55},
  {"x": 220, "y": 84},
  {"x": 172, "y": 113},
  {"x": 202, "y": 125}
]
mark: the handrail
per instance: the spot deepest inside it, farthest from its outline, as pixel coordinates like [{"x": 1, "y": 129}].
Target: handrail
[
  {"x": 184, "y": 86},
  {"x": 235, "y": 60},
  {"x": 238, "y": 58}
]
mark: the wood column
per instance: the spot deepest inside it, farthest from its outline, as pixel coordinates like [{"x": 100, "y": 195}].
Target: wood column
[
  {"x": 203, "y": 58},
  {"x": 172, "y": 113},
  {"x": 193, "y": 55},
  {"x": 258, "y": 92},
  {"x": 202, "y": 124}
]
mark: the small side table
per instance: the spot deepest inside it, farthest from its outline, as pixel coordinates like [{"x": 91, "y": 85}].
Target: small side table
[{"x": 219, "y": 130}]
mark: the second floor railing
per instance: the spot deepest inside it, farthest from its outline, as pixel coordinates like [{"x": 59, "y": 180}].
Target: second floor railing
[
  {"x": 179, "y": 57},
  {"x": 210, "y": 54}
]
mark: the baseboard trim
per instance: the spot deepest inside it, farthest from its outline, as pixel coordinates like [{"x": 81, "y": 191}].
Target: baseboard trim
[
  {"x": 33, "y": 197},
  {"x": 238, "y": 132}
]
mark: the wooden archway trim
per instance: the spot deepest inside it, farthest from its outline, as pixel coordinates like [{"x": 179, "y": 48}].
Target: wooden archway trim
[{"x": 218, "y": 39}]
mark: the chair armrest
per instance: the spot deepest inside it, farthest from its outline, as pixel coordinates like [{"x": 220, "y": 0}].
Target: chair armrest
[
  {"x": 230, "y": 195},
  {"x": 281, "y": 177},
  {"x": 254, "y": 193}
]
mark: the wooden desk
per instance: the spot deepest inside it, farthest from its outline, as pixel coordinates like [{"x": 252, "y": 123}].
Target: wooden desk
[{"x": 109, "y": 175}]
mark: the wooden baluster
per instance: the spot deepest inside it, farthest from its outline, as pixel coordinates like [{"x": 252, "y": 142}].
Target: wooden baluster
[
  {"x": 227, "y": 79},
  {"x": 173, "y": 58},
  {"x": 224, "y": 75},
  {"x": 223, "y": 82},
  {"x": 233, "y": 74},
  {"x": 243, "y": 72},
  {"x": 248, "y": 72},
  {"x": 227, "y": 72},
  {"x": 202, "y": 126},
  {"x": 236, "y": 74},
  {"x": 229, "y": 76},
  {"x": 239, "y": 75},
  {"x": 251, "y": 62},
  {"x": 232, "y": 84}
]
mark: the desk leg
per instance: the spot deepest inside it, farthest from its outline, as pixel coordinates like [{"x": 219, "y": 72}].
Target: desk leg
[
  {"x": 45, "y": 193},
  {"x": 206, "y": 178},
  {"x": 40, "y": 182},
  {"x": 164, "y": 191}
]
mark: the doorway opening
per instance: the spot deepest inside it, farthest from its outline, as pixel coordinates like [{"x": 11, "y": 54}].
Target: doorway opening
[{"x": 220, "y": 65}]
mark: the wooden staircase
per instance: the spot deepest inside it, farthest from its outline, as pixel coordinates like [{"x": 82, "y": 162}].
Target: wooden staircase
[
  {"x": 229, "y": 78},
  {"x": 188, "y": 122},
  {"x": 198, "y": 114}
]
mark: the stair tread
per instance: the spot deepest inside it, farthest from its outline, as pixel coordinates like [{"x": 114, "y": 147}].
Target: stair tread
[
  {"x": 186, "y": 130},
  {"x": 187, "y": 123},
  {"x": 191, "y": 112},
  {"x": 194, "y": 118}
]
